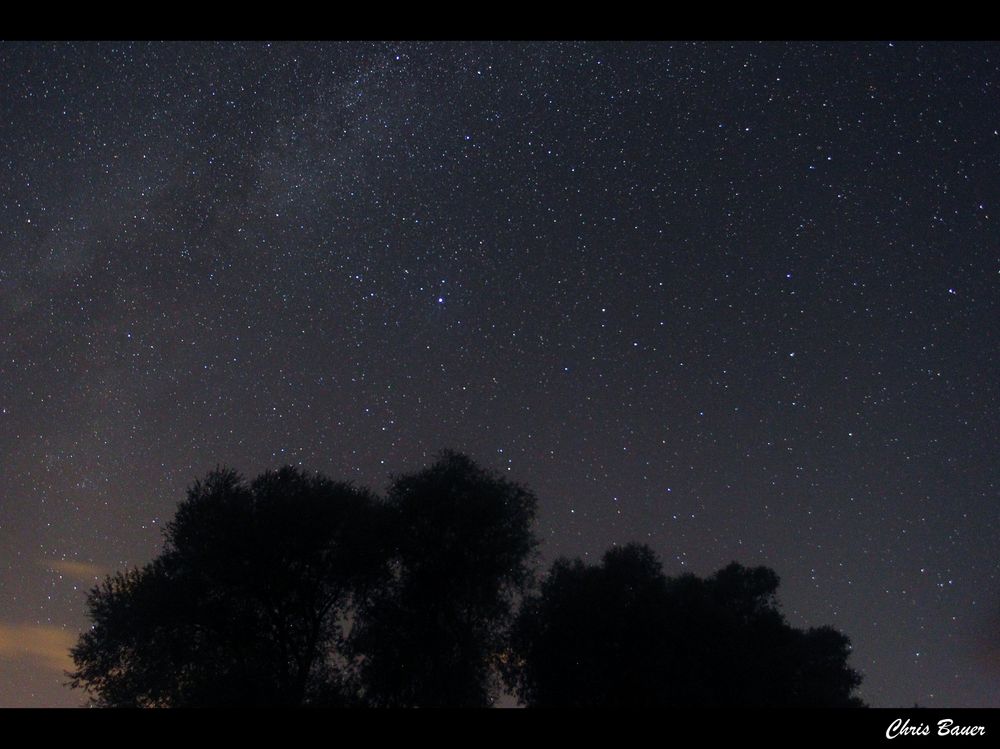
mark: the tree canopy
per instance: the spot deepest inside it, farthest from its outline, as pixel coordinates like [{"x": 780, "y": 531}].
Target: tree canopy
[
  {"x": 623, "y": 634},
  {"x": 294, "y": 589},
  {"x": 297, "y": 590},
  {"x": 462, "y": 551},
  {"x": 245, "y": 605}
]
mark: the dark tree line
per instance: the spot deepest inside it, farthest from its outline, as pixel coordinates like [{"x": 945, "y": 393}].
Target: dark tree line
[
  {"x": 623, "y": 634},
  {"x": 294, "y": 589}
]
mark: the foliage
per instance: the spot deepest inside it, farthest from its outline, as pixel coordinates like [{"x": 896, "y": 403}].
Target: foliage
[
  {"x": 462, "y": 556},
  {"x": 623, "y": 634},
  {"x": 294, "y": 589},
  {"x": 245, "y": 605}
]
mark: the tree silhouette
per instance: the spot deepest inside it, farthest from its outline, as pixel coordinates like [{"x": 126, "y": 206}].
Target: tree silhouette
[
  {"x": 297, "y": 590},
  {"x": 462, "y": 550},
  {"x": 245, "y": 605},
  {"x": 623, "y": 634}
]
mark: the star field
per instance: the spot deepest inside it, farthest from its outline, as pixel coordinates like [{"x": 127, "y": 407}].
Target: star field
[{"x": 735, "y": 301}]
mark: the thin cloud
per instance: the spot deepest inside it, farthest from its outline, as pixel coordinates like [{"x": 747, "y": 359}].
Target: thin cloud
[
  {"x": 82, "y": 571},
  {"x": 43, "y": 644}
]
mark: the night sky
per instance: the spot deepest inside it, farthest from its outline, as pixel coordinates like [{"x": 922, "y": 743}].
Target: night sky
[{"x": 735, "y": 301}]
